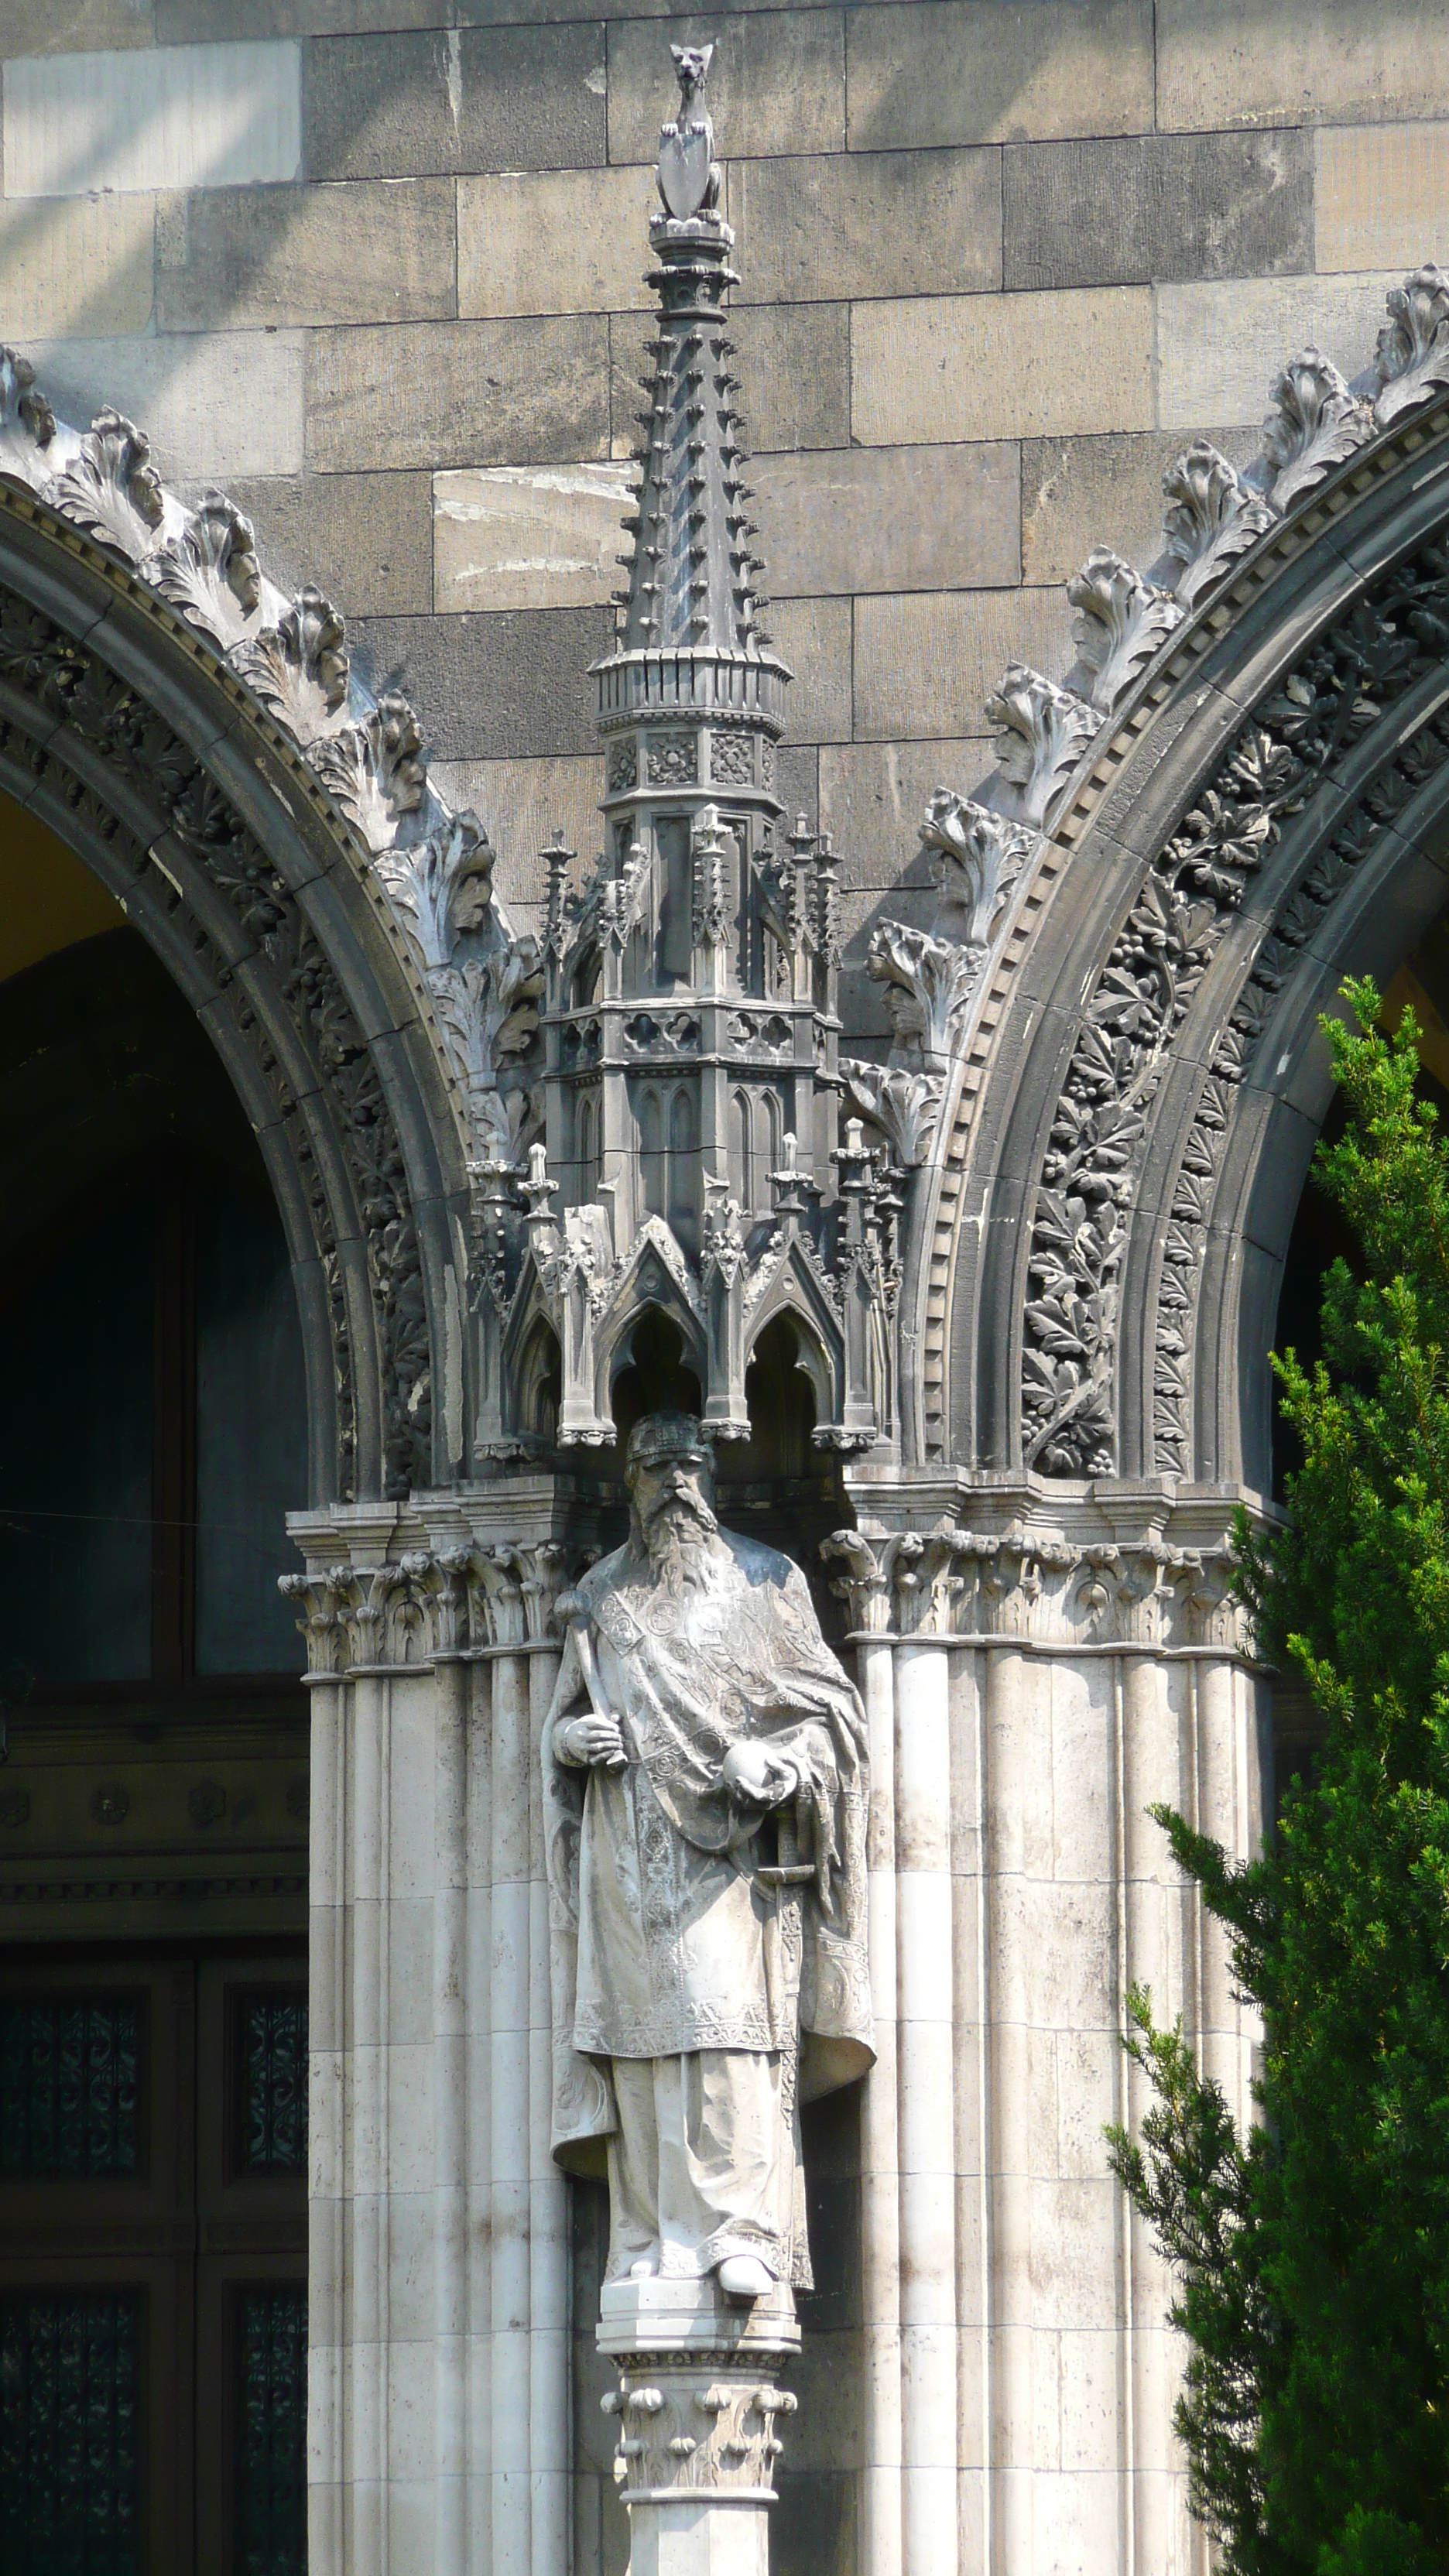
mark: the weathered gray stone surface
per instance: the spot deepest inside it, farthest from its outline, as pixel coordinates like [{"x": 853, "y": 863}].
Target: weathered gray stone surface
[
  {"x": 1221, "y": 63},
  {"x": 1219, "y": 346},
  {"x": 967, "y": 71},
  {"x": 880, "y": 223},
  {"x": 1156, "y": 205},
  {"x": 1073, "y": 488},
  {"x": 81, "y": 266},
  {"x": 1381, "y": 193},
  {"x": 67, "y": 26},
  {"x": 363, "y": 538},
  {"x": 523, "y": 803},
  {"x": 926, "y": 662},
  {"x": 78, "y": 123},
  {"x": 593, "y": 223},
  {"x": 529, "y": 536},
  {"x": 813, "y": 637},
  {"x": 463, "y": 393},
  {"x": 495, "y": 685},
  {"x": 514, "y": 98},
  {"x": 217, "y": 403},
  {"x": 370, "y": 251},
  {"x": 889, "y": 518},
  {"x": 872, "y": 797},
  {"x": 966, "y": 366}
]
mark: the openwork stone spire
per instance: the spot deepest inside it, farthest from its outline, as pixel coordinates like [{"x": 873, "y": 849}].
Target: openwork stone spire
[{"x": 693, "y": 579}]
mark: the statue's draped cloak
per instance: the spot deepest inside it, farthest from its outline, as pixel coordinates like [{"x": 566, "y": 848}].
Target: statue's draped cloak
[{"x": 664, "y": 1940}]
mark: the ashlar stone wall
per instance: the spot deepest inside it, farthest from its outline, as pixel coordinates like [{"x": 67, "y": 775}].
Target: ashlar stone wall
[{"x": 377, "y": 266}]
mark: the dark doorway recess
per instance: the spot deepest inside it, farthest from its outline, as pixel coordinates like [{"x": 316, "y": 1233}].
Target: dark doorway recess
[
  {"x": 153, "y": 1798},
  {"x": 155, "y": 1436}
]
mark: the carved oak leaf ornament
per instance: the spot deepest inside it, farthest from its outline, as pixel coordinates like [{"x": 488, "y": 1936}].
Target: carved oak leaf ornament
[
  {"x": 1213, "y": 518},
  {"x": 209, "y": 570},
  {"x": 375, "y": 770},
  {"x": 1041, "y": 734},
  {"x": 1411, "y": 361},
  {"x": 927, "y": 984},
  {"x": 1121, "y": 621},
  {"x": 111, "y": 489},
  {"x": 441, "y": 886},
  {"x": 299, "y": 668},
  {"x": 27, "y": 423},
  {"x": 1314, "y": 424},
  {"x": 905, "y": 1106},
  {"x": 975, "y": 857}
]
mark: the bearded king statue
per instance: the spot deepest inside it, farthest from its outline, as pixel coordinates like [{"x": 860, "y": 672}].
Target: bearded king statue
[{"x": 705, "y": 1791}]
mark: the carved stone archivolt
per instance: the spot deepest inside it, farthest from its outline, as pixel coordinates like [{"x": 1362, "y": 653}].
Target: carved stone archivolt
[
  {"x": 1321, "y": 720},
  {"x": 201, "y": 821},
  {"x": 367, "y": 752},
  {"x": 1241, "y": 875}
]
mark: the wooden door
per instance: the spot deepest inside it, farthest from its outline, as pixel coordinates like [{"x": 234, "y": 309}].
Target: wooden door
[{"x": 153, "y": 2263}]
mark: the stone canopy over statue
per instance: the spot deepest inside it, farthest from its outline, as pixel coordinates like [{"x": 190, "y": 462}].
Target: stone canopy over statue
[{"x": 705, "y": 1785}]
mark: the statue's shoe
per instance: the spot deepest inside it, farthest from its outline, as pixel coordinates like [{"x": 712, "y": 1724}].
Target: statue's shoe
[{"x": 743, "y": 2276}]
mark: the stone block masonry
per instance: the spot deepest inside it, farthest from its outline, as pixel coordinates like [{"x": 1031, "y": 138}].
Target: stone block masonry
[{"x": 380, "y": 264}]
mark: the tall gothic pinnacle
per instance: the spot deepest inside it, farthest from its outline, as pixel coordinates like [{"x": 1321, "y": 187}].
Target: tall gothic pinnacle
[{"x": 694, "y": 579}]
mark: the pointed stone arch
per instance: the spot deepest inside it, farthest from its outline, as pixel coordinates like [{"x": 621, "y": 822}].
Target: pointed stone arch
[
  {"x": 126, "y": 732},
  {"x": 1269, "y": 811}
]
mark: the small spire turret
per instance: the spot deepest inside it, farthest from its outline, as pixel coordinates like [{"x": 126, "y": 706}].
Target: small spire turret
[{"x": 691, "y": 1032}]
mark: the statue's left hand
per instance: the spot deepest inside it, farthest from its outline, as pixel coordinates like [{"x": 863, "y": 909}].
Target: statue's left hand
[{"x": 754, "y": 1775}]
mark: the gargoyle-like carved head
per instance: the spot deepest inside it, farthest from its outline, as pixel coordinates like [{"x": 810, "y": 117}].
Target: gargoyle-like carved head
[{"x": 691, "y": 63}]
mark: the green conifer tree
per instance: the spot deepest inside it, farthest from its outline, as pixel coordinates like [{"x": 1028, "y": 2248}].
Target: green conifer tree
[{"x": 1312, "y": 2258}]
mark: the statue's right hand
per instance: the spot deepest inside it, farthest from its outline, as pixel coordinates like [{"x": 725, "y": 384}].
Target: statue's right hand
[{"x": 593, "y": 1739}]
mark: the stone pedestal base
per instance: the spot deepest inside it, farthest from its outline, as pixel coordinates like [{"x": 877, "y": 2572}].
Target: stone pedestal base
[{"x": 696, "y": 2406}]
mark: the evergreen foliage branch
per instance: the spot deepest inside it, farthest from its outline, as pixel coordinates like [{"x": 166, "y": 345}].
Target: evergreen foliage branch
[{"x": 1312, "y": 2257}]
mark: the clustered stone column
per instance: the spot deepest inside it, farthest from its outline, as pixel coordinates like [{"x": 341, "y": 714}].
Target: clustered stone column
[
  {"x": 439, "y": 2322},
  {"x": 1032, "y": 1685}
]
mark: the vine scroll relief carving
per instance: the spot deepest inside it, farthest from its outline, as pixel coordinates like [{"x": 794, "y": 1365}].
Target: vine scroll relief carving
[{"x": 1339, "y": 690}]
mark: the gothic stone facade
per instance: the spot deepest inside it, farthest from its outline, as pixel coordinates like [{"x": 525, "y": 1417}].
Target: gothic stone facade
[{"x": 1092, "y": 394}]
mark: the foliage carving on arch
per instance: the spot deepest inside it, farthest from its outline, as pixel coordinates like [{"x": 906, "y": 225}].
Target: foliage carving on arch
[{"x": 1331, "y": 702}]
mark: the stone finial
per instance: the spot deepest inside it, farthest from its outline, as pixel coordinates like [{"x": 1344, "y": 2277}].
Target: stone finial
[
  {"x": 1314, "y": 424},
  {"x": 1041, "y": 733},
  {"x": 300, "y": 667},
  {"x": 209, "y": 570},
  {"x": 375, "y": 771},
  {"x": 27, "y": 422},
  {"x": 975, "y": 857},
  {"x": 111, "y": 488},
  {"x": 1412, "y": 358},
  {"x": 1121, "y": 620},
  {"x": 1213, "y": 517}
]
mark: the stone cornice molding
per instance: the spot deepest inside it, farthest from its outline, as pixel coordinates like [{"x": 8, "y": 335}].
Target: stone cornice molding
[
  {"x": 429, "y": 1605},
  {"x": 1092, "y": 1570}
]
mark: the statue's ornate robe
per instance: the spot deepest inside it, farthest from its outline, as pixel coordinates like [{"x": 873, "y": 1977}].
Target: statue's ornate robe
[{"x": 666, "y": 1942}]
